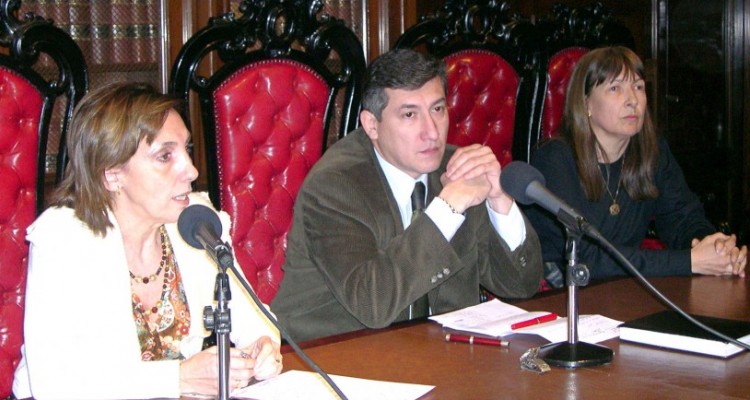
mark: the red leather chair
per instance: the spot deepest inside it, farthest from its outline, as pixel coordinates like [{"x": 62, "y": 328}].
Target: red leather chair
[
  {"x": 289, "y": 78},
  {"x": 566, "y": 34},
  {"x": 482, "y": 93},
  {"x": 486, "y": 50},
  {"x": 559, "y": 69},
  {"x": 26, "y": 104}
]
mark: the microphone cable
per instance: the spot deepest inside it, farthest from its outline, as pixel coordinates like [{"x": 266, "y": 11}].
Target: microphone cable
[
  {"x": 631, "y": 268},
  {"x": 200, "y": 227},
  {"x": 285, "y": 334},
  {"x": 527, "y": 185}
]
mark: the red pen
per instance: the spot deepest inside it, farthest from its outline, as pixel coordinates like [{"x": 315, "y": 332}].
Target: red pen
[
  {"x": 452, "y": 337},
  {"x": 534, "y": 321}
]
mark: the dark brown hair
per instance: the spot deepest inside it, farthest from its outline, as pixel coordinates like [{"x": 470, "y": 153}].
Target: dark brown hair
[
  {"x": 404, "y": 69},
  {"x": 595, "y": 68}
]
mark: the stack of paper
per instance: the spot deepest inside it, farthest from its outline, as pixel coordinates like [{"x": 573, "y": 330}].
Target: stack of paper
[
  {"x": 492, "y": 318},
  {"x": 495, "y": 318}
]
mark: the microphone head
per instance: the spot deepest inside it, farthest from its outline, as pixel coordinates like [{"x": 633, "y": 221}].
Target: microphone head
[
  {"x": 516, "y": 178},
  {"x": 193, "y": 217}
]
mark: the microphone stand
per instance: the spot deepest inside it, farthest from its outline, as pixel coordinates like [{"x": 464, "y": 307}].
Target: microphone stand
[
  {"x": 219, "y": 320},
  {"x": 574, "y": 354},
  {"x": 198, "y": 226}
]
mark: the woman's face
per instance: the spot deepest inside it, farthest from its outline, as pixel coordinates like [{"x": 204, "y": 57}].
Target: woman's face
[
  {"x": 156, "y": 180},
  {"x": 617, "y": 108}
]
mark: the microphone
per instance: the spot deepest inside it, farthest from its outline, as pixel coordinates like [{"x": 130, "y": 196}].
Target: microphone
[
  {"x": 200, "y": 227},
  {"x": 527, "y": 186}
]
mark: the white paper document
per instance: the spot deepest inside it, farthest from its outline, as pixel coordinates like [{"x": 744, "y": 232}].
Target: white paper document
[
  {"x": 494, "y": 318},
  {"x": 591, "y": 329},
  {"x": 303, "y": 385}
]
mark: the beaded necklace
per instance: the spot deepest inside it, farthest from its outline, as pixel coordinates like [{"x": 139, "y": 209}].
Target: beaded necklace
[
  {"x": 148, "y": 279},
  {"x": 162, "y": 327}
]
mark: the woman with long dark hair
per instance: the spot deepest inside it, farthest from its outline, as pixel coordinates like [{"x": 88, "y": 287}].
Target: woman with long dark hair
[{"x": 608, "y": 162}]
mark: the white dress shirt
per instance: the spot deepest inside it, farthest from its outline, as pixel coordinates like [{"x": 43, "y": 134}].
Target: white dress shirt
[{"x": 510, "y": 227}]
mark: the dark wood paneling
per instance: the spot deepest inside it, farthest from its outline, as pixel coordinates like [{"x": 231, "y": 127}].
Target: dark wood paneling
[
  {"x": 185, "y": 18},
  {"x": 386, "y": 20}
]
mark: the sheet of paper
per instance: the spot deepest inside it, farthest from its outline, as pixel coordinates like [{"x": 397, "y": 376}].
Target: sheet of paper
[
  {"x": 492, "y": 318},
  {"x": 591, "y": 329},
  {"x": 303, "y": 385}
]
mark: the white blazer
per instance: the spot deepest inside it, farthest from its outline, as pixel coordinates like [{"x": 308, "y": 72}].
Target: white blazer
[{"x": 80, "y": 340}]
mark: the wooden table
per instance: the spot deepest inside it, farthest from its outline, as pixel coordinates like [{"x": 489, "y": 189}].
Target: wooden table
[{"x": 417, "y": 353}]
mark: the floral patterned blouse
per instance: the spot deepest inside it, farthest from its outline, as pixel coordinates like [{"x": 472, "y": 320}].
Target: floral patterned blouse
[{"x": 162, "y": 327}]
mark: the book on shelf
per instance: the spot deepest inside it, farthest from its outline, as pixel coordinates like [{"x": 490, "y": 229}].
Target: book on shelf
[{"x": 671, "y": 330}]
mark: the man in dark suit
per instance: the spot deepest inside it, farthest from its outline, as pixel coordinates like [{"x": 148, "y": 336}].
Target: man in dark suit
[{"x": 363, "y": 253}]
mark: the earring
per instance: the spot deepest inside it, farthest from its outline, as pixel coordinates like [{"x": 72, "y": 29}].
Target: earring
[
  {"x": 118, "y": 190},
  {"x": 589, "y": 113}
]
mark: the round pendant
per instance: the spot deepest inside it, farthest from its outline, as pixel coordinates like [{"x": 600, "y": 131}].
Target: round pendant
[{"x": 614, "y": 209}]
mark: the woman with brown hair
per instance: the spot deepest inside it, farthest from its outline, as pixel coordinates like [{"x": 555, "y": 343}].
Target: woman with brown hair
[
  {"x": 114, "y": 294},
  {"x": 609, "y": 163}
]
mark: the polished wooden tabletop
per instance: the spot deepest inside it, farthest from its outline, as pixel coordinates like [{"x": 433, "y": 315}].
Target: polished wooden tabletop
[{"x": 417, "y": 353}]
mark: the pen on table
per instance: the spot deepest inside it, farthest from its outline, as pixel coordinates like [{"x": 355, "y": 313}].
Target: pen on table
[
  {"x": 471, "y": 339},
  {"x": 534, "y": 321}
]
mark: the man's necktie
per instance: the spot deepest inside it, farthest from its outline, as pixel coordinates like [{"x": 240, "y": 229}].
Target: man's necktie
[
  {"x": 420, "y": 308},
  {"x": 417, "y": 200}
]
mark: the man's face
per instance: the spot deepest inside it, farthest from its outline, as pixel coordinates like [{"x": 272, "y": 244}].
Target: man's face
[{"x": 412, "y": 131}]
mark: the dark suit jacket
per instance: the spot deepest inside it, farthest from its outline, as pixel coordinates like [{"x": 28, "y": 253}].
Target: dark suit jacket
[{"x": 350, "y": 264}]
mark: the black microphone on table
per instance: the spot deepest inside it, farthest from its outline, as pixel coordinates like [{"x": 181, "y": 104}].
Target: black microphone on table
[
  {"x": 201, "y": 228},
  {"x": 527, "y": 186}
]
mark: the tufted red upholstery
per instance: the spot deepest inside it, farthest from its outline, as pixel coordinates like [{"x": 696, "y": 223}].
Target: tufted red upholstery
[
  {"x": 489, "y": 51},
  {"x": 482, "y": 92},
  {"x": 20, "y": 112},
  {"x": 559, "y": 69},
  {"x": 27, "y": 101},
  {"x": 269, "y": 133},
  {"x": 289, "y": 83}
]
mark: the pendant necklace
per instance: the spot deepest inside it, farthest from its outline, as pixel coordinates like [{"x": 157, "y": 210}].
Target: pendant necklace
[{"x": 614, "y": 209}]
